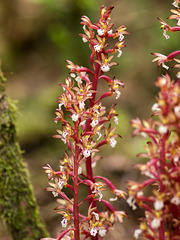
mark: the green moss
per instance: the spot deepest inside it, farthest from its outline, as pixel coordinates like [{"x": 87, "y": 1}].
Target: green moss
[{"x": 18, "y": 207}]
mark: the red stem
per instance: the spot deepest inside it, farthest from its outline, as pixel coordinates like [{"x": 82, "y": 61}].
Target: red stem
[{"x": 76, "y": 186}]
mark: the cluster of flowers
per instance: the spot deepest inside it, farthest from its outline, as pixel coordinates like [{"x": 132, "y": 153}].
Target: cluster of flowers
[
  {"x": 162, "y": 203},
  {"x": 85, "y": 129}
]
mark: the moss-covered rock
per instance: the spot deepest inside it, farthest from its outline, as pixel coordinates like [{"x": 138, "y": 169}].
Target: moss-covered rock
[{"x": 18, "y": 206}]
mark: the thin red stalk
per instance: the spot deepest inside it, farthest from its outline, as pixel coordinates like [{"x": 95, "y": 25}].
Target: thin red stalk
[
  {"x": 89, "y": 160},
  {"x": 76, "y": 186},
  {"x": 162, "y": 231}
]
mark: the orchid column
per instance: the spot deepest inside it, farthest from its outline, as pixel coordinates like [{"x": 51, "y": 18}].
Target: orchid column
[{"x": 85, "y": 130}]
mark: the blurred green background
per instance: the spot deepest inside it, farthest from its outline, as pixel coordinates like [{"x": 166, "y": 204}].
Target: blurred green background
[{"x": 36, "y": 37}]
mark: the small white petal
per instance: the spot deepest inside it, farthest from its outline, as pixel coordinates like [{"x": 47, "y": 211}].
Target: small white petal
[
  {"x": 163, "y": 129},
  {"x": 93, "y": 164},
  {"x": 155, "y": 107},
  {"x": 105, "y": 68},
  {"x": 94, "y": 123},
  {"x": 61, "y": 184},
  {"x": 119, "y": 53},
  {"x": 155, "y": 223},
  {"x": 93, "y": 232},
  {"x": 73, "y": 75},
  {"x": 177, "y": 111},
  {"x": 165, "y": 34},
  {"x": 100, "y": 32},
  {"x": 60, "y": 105},
  {"x": 137, "y": 232},
  {"x": 84, "y": 40},
  {"x": 81, "y": 105},
  {"x": 118, "y": 94},
  {"x": 165, "y": 66},
  {"x": 97, "y": 48},
  {"x": 55, "y": 194},
  {"x": 121, "y": 37},
  {"x": 143, "y": 134},
  {"x": 75, "y": 117},
  {"x": 158, "y": 205},
  {"x": 79, "y": 170},
  {"x": 86, "y": 153},
  {"x": 102, "y": 232},
  {"x": 64, "y": 222},
  {"x": 96, "y": 216},
  {"x": 116, "y": 120},
  {"x": 110, "y": 31},
  {"x": 178, "y": 75},
  {"x": 113, "y": 142},
  {"x": 113, "y": 199},
  {"x": 82, "y": 123},
  {"x": 175, "y": 200},
  {"x": 78, "y": 79}
]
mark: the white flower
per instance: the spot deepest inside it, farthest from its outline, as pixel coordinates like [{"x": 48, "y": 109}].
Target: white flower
[
  {"x": 82, "y": 123},
  {"x": 64, "y": 222},
  {"x": 113, "y": 199},
  {"x": 79, "y": 170},
  {"x": 110, "y": 31},
  {"x": 93, "y": 231},
  {"x": 73, "y": 75},
  {"x": 97, "y": 48},
  {"x": 177, "y": 111},
  {"x": 166, "y": 36},
  {"x": 84, "y": 40},
  {"x": 94, "y": 123},
  {"x": 61, "y": 184},
  {"x": 140, "y": 194},
  {"x": 64, "y": 134},
  {"x": 175, "y": 200},
  {"x": 148, "y": 174},
  {"x": 60, "y": 105},
  {"x": 113, "y": 142},
  {"x": 55, "y": 194},
  {"x": 165, "y": 66},
  {"x": 137, "y": 232},
  {"x": 178, "y": 75},
  {"x": 99, "y": 135},
  {"x": 176, "y": 160},
  {"x": 143, "y": 134},
  {"x": 121, "y": 37},
  {"x": 93, "y": 164},
  {"x": 86, "y": 153},
  {"x": 119, "y": 52},
  {"x": 55, "y": 119},
  {"x": 96, "y": 216},
  {"x": 175, "y": 3},
  {"x": 178, "y": 22},
  {"x": 102, "y": 232},
  {"x": 78, "y": 79},
  {"x": 81, "y": 105},
  {"x": 100, "y": 32},
  {"x": 61, "y": 168},
  {"x": 105, "y": 68},
  {"x": 158, "y": 205},
  {"x": 155, "y": 107},
  {"x": 155, "y": 223},
  {"x": 116, "y": 120},
  {"x": 131, "y": 201},
  {"x": 118, "y": 94},
  {"x": 163, "y": 129},
  {"x": 75, "y": 117}
]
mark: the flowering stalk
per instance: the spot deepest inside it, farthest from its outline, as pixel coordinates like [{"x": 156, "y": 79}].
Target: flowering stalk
[
  {"x": 82, "y": 131},
  {"x": 162, "y": 205}
]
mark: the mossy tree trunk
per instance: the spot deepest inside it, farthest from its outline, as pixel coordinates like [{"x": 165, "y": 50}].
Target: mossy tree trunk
[{"x": 18, "y": 207}]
